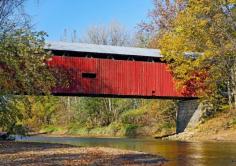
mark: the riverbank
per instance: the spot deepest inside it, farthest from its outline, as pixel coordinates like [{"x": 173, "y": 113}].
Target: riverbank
[
  {"x": 29, "y": 153},
  {"x": 221, "y": 127},
  {"x": 113, "y": 130}
]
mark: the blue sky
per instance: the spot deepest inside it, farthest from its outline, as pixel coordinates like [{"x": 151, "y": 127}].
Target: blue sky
[{"x": 53, "y": 16}]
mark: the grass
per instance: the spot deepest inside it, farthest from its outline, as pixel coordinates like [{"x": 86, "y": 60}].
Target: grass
[
  {"x": 114, "y": 129},
  {"x": 51, "y": 129}
]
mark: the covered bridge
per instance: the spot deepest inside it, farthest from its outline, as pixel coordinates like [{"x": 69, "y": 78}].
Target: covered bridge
[{"x": 111, "y": 71}]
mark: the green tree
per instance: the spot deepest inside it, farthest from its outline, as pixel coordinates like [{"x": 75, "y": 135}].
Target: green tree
[
  {"x": 20, "y": 114},
  {"x": 8, "y": 116}
]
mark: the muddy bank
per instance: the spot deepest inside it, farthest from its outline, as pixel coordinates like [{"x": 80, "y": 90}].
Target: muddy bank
[
  {"x": 227, "y": 135},
  {"x": 22, "y": 153}
]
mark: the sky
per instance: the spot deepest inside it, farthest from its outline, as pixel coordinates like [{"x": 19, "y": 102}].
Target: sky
[{"x": 53, "y": 16}]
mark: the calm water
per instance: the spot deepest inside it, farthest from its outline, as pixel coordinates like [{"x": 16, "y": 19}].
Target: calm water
[{"x": 178, "y": 153}]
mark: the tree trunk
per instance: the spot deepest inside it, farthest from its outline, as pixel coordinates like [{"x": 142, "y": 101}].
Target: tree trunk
[
  {"x": 233, "y": 88},
  {"x": 229, "y": 94},
  {"x": 68, "y": 109},
  {"x": 110, "y": 105}
]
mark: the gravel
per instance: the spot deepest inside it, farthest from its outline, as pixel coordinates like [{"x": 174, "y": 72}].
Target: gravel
[{"x": 32, "y": 154}]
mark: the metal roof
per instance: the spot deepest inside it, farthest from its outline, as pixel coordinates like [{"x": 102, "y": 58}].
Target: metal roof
[{"x": 102, "y": 49}]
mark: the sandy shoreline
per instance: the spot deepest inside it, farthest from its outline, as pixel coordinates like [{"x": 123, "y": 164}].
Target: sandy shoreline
[{"x": 32, "y": 154}]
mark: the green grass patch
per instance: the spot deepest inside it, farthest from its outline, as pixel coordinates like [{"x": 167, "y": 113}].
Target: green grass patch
[{"x": 51, "y": 129}]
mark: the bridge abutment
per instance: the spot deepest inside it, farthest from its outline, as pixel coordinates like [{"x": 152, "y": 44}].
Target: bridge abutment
[{"x": 188, "y": 114}]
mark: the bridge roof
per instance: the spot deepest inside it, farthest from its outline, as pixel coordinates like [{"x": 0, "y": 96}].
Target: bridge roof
[{"x": 102, "y": 49}]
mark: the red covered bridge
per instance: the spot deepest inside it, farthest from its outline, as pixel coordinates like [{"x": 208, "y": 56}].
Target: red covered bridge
[{"x": 111, "y": 71}]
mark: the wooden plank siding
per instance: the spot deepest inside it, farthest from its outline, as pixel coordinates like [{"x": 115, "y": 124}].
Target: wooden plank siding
[{"x": 116, "y": 78}]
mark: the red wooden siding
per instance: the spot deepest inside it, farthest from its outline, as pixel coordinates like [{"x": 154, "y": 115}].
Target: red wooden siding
[{"x": 116, "y": 77}]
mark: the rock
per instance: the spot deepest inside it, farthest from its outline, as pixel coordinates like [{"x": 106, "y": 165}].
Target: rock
[
  {"x": 6, "y": 136},
  {"x": 3, "y": 135}
]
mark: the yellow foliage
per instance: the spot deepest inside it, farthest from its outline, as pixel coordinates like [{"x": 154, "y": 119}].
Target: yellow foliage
[{"x": 200, "y": 44}]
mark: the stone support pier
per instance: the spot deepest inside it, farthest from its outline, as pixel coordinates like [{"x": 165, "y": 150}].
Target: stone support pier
[{"x": 188, "y": 115}]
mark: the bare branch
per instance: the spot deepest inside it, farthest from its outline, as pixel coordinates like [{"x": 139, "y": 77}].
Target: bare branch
[{"x": 113, "y": 34}]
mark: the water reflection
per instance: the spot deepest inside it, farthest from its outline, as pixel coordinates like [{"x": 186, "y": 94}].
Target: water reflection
[{"x": 178, "y": 153}]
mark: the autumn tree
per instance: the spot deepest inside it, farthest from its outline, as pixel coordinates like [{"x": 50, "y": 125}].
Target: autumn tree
[
  {"x": 160, "y": 20},
  {"x": 200, "y": 48},
  {"x": 23, "y": 68},
  {"x": 23, "y": 58}
]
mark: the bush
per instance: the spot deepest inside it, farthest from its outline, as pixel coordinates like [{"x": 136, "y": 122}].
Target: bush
[
  {"x": 130, "y": 130},
  {"x": 20, "y": 129},
  {"x": 137, "y": 117}
]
